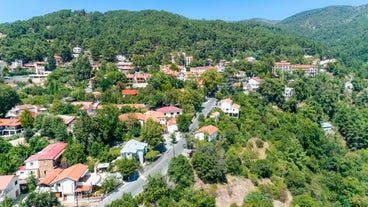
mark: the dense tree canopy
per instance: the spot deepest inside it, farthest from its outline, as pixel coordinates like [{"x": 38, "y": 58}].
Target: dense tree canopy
[
  {"x": 152, "y": 133},
  {"x": 8, "y": 99}
]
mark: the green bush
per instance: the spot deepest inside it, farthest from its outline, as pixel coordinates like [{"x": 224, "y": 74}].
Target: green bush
[{"x": 152, "y": 155}]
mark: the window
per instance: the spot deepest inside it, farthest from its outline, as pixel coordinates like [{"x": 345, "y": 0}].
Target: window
[
  {"x": 45, "y": 172},
  {"x": 31, "y": 163},
  {"x": 16, "y": 182}
]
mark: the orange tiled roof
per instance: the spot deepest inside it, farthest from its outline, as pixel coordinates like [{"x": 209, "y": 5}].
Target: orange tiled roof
[
  {"x": 227, "y": 100},
  {"x": 258, "y": 79},
  {"x": 282, "y": 63},
  {"x": 236, "y": 106},
  {"x": 171, "y": 122},
  {"x": 74, "y": 172},
  {"x": 129, "y": 116},
  {"x": 155, "y": 115},
  {"x": 210, "y": 130},
  {"x": 10, "y": 122},
  {"x": 129, "y": 92},
  {"x": 303, "y": 66},
  {"x": 83, "y": 188},
  {"x": 50, "y": 177}
]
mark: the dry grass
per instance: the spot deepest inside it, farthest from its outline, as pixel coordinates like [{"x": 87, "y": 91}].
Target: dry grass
[{"x": 261, "y": 152}]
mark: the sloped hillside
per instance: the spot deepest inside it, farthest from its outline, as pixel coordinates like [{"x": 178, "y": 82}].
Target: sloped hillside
[
  {"x": 154, "y": 34},
  {"x": 341, "y": 28}
]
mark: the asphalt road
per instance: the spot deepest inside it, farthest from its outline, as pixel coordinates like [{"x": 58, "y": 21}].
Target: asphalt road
[
  {"x": 206, "y": 108},
  {"x": 160, "y": 166}
]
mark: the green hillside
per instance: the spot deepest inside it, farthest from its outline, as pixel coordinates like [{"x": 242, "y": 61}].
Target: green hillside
[
  {"x": 341, "y": 28},
  {"x": 153, "y": 33}
]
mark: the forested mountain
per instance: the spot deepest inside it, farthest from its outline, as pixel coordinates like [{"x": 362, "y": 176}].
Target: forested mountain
[
  {"x": 341, "y": 28},
  {"x": 153, "y": 33}
]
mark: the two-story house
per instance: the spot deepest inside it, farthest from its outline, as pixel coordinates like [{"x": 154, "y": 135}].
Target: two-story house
[
  {"x": 10, "y": 126},
  {"x": 156, "y": 116},
  {"x": 16, "y": 111},
  {"x": 229, "y": 108},
  {"x": 170, "y": 111},
  {"x": 68, "y": 183},
  {"x": 289, "y": 92},
  {"x": 68, "y": 121},
  {"x": 9, "y": 187},
  {"x": 42, "y": 163},
  {"x": 210, "y": 131}
]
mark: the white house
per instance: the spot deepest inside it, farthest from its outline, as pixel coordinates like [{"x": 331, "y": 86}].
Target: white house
[
  {"x": 134, "y": 149},
  {"x": 215, "y": 115},
  {"x": 326, "y": 126},
  {"x": 349, "y": 86},
  {"x": 16, "y": 111},
  {"x": 10, "y": 126},
  {"x": 68, "y": 183},
  {"x": 172, "y": 126},
  {"x": 121, "y": 58},
  {"x": 229, "y": 108},
  {"x": 77, "y": 49},
  {"x": 170, "y": 111},
  {"x": 254, "y": 83},
  {"x": 289, "y": 92},
  {"x": 16, "y": 64},
  {"x": 9, "y": 187},
  {"x": 250, "y": 59},
  {"x": 209, "y": 131}
]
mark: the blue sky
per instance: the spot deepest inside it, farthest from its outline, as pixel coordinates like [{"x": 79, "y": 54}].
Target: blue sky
[{"x": 12, "y": 10}]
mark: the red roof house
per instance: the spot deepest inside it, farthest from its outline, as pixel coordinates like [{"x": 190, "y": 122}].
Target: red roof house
[
  {"x": 170, "y": 111},
  {"x": 42, "y": 163},
  {"x": 210, "y": 131},
  {"x": 129, "y": 92}
]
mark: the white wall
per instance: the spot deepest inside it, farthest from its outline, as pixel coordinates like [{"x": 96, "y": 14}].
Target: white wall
[
  {"x": 172, "y": 128},
  {"x": 12, "y": 189},
  {"x": 66, "y": 186},
  {"x": 199, "y": 136},
  {"x": 35, "y": 165}
]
